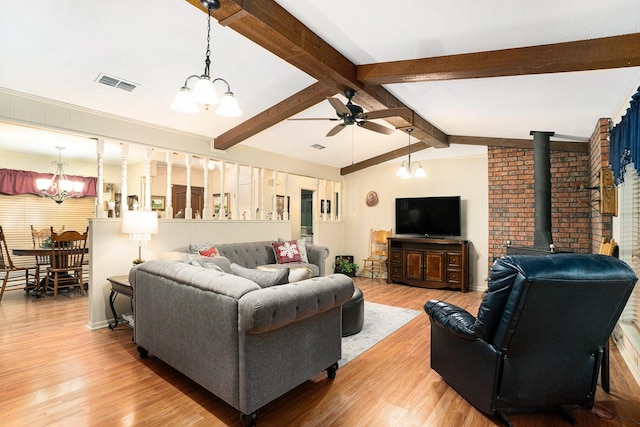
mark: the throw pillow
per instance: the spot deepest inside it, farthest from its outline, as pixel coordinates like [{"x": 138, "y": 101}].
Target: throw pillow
[
  {"x": 286, "y": 252},
  {"x": 302, "y": 247},
  {"x": 195, "y": 248},
  {"x": 263, "y": 278},
  {"x": 297, "y": 274},
  {"x": 212, "y": 251}
]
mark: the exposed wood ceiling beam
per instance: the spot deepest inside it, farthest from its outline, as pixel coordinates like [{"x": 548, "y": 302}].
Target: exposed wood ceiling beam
[
  {"x": 580, "y": 147},
  {"x": 272, "y": 27},
  {"x": 302, "y": 100},
  {"x": 595, "y": 54},
  {"x": 417, "y": 146}
]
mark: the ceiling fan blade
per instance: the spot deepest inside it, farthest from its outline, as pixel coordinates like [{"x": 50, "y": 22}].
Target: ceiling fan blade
[
  {"x": 340, "y": 108},
  {"x": 333, "y": 119},
  {"x": 336, "y": 129},
  {"x": 376, "y": 127}
]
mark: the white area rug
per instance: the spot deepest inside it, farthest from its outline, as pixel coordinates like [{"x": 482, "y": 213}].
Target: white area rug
[{"x": 380, "y": 321}]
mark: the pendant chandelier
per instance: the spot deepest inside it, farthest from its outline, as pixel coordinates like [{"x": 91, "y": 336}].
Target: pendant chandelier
[
  {"x": 59, "y": 187},
  {"x": 203, "y": 91},
  {"x": 405, "y": 171}
]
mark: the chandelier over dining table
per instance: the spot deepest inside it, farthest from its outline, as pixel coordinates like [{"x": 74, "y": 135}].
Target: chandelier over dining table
[
  {"x": 59, "y": 187},
  {"x": 204, "y": 92}
]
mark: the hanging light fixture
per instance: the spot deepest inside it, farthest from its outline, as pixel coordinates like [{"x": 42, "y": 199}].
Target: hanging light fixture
[
  {"x": 59, "y": 187},
  {"x": 405, "y": 170},
  {"x": 203, "y": 91}
]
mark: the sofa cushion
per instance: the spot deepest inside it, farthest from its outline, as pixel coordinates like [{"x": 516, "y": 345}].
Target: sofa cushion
[
  {"x": 315, "y": 270},
  {"x": 286, "y": 252},
  {"x": 263, "y": 278}
]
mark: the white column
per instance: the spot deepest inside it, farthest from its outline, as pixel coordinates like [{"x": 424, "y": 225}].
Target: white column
[
  {"x": 316, "y": 203},
  {"x": 263, "y": 175},
  {"x": 148, "y": 153},
  {"x": 252, "y": 201},
  {"x": 236, "y": 198},
  {"x": 124, "y": 204},
  {"x": 100, "y": 181},
  {"x": 222, "y": 213},
  {"x": 168, "y": 205},
  {"x": 333, "y": 202},
  {"x": 285, "y": 212},
  {"x": 188, "y": 211},
  {"x": 206, "y": 208},
  {"x": 274, "y": 206}
]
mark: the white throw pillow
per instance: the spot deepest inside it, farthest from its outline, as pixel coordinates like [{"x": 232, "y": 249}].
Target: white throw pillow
[
  {"x": 298, "y": 274},
  {"x": 263, "y": 278}
]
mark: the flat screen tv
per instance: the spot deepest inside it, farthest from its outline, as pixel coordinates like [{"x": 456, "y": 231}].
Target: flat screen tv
[{"x": 428, "y": 216}]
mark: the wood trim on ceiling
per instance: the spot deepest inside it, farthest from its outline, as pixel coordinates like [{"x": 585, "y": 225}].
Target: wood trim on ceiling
[{"x": 272, "y": 27}]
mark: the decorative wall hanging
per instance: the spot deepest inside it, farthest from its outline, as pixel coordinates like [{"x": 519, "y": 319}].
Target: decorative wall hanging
[{"x": 372, "y": 199}]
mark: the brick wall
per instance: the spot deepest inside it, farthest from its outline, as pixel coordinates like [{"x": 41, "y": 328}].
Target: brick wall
[{"x": 511, "y": 197}]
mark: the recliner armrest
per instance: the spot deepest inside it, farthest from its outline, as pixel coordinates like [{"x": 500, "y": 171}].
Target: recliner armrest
[{"x": 454, "y": 319}]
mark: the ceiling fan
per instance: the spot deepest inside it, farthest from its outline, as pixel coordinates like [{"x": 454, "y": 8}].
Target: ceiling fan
[{"x": 352, "y": 114}]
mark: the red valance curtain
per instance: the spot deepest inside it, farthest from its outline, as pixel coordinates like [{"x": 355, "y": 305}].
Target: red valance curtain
[{"x": 14, "y": 182}]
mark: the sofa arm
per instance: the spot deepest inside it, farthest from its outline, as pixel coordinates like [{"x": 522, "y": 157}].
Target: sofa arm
[
  {"x": 271, "y": 308},
  {"x": 454, "y": 319},
  {"x": 317, "y": 255}
]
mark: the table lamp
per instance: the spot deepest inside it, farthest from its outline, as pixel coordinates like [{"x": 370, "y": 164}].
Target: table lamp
[{"x": 140, "y": 225}]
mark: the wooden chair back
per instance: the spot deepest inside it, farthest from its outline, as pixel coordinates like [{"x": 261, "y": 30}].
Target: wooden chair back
[
  {"x": 68, "y": 249},
  {"x": 378, "y": 243},
  {"x": 609, "y": 247},
  {"x": 5, "y": 256}
]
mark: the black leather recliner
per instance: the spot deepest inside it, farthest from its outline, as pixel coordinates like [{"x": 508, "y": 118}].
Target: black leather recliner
[{"x": 537, "y": 341}]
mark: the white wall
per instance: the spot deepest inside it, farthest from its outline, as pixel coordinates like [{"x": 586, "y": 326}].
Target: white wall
[
  {"x": 463, "y": 176},
  {"x": 112, "y": 253}
]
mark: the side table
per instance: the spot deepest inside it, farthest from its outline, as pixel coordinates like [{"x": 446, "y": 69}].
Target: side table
[{"x": 119, "y": 285}]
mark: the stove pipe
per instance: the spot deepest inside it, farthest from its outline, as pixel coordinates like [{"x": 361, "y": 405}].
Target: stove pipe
[{"x": 542, "y": 188}]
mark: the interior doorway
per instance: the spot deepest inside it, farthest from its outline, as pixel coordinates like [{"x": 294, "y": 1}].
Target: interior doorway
[
  {"x": 306, "y": 214},
  {"x": 179, "y": 198}
]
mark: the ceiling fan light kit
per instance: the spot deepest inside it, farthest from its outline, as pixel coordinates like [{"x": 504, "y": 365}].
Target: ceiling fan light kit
[
  {"x": 405, "y": 171},
  {"x": 204, "y": 92}
]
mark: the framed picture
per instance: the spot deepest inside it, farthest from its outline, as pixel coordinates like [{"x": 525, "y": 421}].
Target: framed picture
[
  {"x": 282, "y": 205},
  {"x": 325, "y": 206},
  {"x": 157, "y": 203},
  {"x": 219, "y": 202}
]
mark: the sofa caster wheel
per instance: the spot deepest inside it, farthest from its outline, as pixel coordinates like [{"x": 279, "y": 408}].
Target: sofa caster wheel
[
  {"x": 249, "y": 420},
  {"x": 143, "y": 352},
  {"x": 331, "y": 371}
]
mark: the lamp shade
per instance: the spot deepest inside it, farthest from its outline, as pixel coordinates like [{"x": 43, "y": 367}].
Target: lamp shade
[
  {"x": 229, "y": 106},
  {"x": 184, "y": 102},
  {"x": 140, "y": 222}
]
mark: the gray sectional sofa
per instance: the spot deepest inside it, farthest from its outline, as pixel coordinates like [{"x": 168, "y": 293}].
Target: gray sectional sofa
[{"x": 246, "y": 344}]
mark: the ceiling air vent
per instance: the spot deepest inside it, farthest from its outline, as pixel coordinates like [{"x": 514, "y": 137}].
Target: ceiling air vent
[
  {"x": 116, "y": 82},
  {"x": 318, "y": 147}
]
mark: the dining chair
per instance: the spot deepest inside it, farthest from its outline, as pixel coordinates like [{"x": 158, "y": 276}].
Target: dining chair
[
  {"x": 8, "y": 268},
  {"x": 41, "y": 239},
  {"x": 378, "y": 253},
  {"x": 67, "y": 258}
]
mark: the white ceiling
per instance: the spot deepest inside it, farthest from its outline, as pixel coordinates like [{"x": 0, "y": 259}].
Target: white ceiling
[{"x": 56, "y": 50}]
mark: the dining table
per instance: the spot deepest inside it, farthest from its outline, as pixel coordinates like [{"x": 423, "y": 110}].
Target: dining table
[{"x": 36, "y": 252}]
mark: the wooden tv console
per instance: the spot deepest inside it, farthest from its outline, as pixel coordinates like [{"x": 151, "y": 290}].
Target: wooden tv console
[{"x": 429, "y": 263}]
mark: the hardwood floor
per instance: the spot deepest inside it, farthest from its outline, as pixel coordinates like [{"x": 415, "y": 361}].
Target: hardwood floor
[{"x": 56, "y": 372}]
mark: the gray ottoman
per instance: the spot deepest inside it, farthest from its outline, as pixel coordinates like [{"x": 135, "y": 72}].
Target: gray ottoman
[{"x": 353, "y": 314}]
